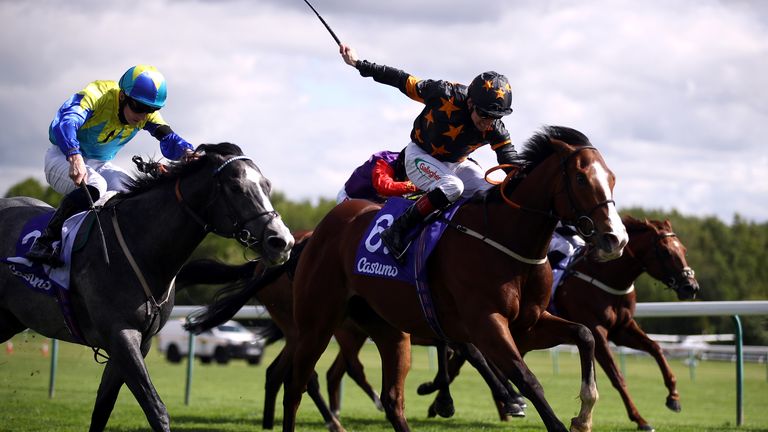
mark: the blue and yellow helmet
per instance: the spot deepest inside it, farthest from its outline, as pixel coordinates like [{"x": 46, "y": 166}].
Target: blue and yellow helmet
[{"x": 145, "y": 84}]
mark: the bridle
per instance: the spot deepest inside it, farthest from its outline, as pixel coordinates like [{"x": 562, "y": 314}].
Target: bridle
[
  {"x": 671, "y": 276},
  {"x": 238, "y": 230},
  {"x": 583, "y": 222}
]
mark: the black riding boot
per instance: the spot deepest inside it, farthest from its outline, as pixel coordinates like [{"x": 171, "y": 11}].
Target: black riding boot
[
  {"x": 394, "y": 237},
  {"x": 42, "y": 249}
]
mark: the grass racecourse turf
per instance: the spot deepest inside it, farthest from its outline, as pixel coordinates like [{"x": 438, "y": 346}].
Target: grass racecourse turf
[{"x": 230, "y": 398}]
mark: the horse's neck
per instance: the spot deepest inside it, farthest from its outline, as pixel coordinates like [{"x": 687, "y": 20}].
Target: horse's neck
[
  {"x": 619, "y": 273},
  {"x": 530, "y": 226},
  {"x": 160, "y": 233}
]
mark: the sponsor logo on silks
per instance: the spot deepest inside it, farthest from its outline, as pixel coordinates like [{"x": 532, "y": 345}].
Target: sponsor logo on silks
[
  {"x": 32, "y": 279},
  {"x": 372, "y": 244},
  {"x": 376, "y": 268},
  {"x": 427, "y": 169}
]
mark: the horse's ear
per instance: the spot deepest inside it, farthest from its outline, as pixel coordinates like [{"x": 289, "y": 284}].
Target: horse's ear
[{"x": 560, "y": 146}]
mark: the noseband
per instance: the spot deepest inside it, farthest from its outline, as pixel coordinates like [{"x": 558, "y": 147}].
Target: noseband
[
  {"x": 671, "y": 276},
  {"x": 238, "y": 230}
]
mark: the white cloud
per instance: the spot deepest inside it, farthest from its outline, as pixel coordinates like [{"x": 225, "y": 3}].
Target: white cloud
[{"x": 673, "y": 94}]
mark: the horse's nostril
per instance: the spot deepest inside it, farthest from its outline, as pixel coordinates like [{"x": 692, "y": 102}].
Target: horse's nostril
[{"x": 276, "y": 243}]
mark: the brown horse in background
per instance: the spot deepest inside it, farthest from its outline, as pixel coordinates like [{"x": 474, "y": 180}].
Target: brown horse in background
[
  {"x": 491, "y": 291},
  {"x": 601, "y": 296}
]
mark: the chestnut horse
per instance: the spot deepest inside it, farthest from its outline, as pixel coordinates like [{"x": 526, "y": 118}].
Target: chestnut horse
[
  {"x": 491, "y": 290},
  {"x": 601, "y": 296}
]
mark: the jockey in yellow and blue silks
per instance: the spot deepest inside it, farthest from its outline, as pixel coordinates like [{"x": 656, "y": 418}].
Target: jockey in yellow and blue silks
[{"x": 88, "y": 131}]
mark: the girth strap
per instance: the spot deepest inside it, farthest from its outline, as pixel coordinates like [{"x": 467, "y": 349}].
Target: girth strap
[
  {"x": 148, "y": 292},
  {"x": 497, "y": 245},
  {"x": 592, "y": 281}
]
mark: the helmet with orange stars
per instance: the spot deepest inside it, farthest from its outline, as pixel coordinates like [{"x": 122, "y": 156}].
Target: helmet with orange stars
[{"x": 491, "y": 94}]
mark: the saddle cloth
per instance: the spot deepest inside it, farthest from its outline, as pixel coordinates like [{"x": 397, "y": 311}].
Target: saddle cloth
[
  {"x": 42, "y": 277},
  {"x": 373, "y": 258}
]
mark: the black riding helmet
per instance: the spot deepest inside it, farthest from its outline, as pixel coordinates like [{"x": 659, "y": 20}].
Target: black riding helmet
[{"x": 491, "y": 93}]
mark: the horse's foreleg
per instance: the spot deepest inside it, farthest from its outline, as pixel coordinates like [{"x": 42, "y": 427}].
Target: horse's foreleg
[
  {"x": 350, "y": 344},
  {"x": 551, "y": 331},
  {"x": 492, "y": 337},
  {"x": 111, "y": 381},
  {"x": 333, "y": 378},
  {"x": 395, "y": 350},
  {"x": 505, "y": 404},
  {"x": 303, "y": 355},
  {"x": 605, "y": 359},
  {"x": 634, "y": 337},
  {"x": 443, "y": 403},
  {"x": 125, "y": 351},
  {"x": 313, "y": 390},
  {"x": 275, "y": 375}
]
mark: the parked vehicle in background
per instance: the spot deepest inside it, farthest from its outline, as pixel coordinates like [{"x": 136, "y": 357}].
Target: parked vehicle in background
[{"x": 224, "y": 342}]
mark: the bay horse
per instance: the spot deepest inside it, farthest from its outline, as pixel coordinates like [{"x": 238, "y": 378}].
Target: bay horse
[
  {"x": 601, "y": 296},
  {"x": 503, "y": 313},
  {"x": 494, "y": 297},
  {"x": 272, "y": 287},
  {"x": 274, "y": 290},
  {"x": 158, "y": 223}
]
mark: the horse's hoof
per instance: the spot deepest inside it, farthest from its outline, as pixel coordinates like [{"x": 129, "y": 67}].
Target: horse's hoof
[
  {"x": 578, "y": 426},
  {"x": 378, "y": 404},
  {"x": 520, "y": 401},
  {"x": 425, "y": 388},
  {"x": 335, "y": 427},
  {"x": 647, "y": 428},
  {"x": 444, "y": 408},
  {"x": 514, "y": 410},
  {"x": 431, "y": 411},
  {"x": 674, "y": 404}
]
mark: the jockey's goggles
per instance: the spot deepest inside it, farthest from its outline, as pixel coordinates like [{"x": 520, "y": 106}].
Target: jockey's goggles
[
  {"x": 486, "y": 116},
  {"x": 138, "y": 107}
]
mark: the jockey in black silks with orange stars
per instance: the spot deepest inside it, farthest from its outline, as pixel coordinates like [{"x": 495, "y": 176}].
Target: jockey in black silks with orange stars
[{"x": 456, "y": 120}]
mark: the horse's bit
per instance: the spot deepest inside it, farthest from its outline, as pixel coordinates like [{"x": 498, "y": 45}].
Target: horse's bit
[
  {"x": 243, "y": 236},
  {"x": 670, "y": 278}
]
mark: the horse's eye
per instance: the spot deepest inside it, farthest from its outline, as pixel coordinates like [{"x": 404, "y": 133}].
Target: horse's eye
[{"x": 581, "y": 179}]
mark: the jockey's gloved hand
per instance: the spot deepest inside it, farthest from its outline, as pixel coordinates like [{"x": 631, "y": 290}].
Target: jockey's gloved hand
[{"x": 154, "y": 169}]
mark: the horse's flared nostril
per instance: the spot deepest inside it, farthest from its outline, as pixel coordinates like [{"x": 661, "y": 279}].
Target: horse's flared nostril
[{"x": 277, "y": 243}]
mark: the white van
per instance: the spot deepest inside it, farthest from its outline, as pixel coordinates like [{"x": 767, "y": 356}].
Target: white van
[{"x": 221, "y": 343}]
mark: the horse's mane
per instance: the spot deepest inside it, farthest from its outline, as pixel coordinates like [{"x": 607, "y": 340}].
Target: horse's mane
[
  {"x": 537, "y": 149},
  {"x": 175, "y": 170},
  {"x": 634, "y": 225}
]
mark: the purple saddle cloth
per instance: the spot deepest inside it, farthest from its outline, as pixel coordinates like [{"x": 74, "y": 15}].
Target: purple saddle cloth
[{"x": 374, "y": 259}]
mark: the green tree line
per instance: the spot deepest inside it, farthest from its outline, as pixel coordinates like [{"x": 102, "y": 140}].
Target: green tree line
[{"x": 729, "y": 260}]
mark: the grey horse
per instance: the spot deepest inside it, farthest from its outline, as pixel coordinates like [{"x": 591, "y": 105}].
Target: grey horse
[{"x": 150, "y": 232}]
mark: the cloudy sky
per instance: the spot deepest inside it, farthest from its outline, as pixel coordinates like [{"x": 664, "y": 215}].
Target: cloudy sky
[{"x": 673, "y": 93}]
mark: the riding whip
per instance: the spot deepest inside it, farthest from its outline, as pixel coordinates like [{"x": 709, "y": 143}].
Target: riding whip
[
  {"x": 98, "y": 222},
  {"x": 338, "y": 42}
]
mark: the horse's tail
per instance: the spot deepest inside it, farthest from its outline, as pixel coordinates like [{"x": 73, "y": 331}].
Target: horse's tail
[
  {"x": 206, "y": 271},
  {"x": 244, "y": 284},
  {"x": 228, "y": 300},
  {"x": 271, "y": 333}
]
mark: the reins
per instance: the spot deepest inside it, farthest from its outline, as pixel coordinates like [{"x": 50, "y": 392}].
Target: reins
[
  {"x": 514, "y": 171},
  {"x": 242, "y": 235}
]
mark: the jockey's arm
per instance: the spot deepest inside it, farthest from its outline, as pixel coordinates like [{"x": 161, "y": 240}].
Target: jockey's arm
[
  {"x": 172, "y": 146},
  {"x": 382, "y": 177}
]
